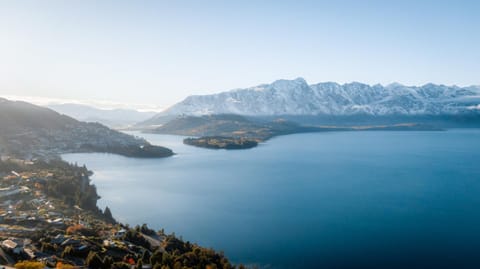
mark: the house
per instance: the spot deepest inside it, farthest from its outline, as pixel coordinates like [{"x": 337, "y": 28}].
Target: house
[
  {"x": 30, "y": 254},
  {"x": 58, "y": 239},
  {"x": 84, "y": 223},
  {"x": 57, "y": 221},
  {"x": 12, "y": 245},
  {"x": 54, "y": 214},
  {"x": 109, "y": 243},
  {"x": 119, "y": 234},
  {"x": 9, "y": 244},
  {"x": 70, "y": 241},
  {"x": 12, "y": 190}
]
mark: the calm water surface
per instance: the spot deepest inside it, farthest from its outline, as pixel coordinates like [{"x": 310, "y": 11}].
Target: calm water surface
[{"x": 328, "y": 200}]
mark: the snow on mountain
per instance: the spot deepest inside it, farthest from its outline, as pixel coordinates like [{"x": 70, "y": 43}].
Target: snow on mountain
[{"x": 296, "y": 97}]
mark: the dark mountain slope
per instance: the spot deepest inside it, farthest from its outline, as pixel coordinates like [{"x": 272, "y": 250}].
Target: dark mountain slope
[{"x": 33, "y": 131}]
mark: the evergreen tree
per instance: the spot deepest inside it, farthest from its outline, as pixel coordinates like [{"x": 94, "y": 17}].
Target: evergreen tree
[
  {"x": 146, "y": 257},
  {"x": 108, "y": 215},
  {"x": 156, "y": 258},
  {"x": 108, "y": 262},
  {"x": 67, "y": 251},
  {"x": 93, "y": 260},
  {"x": 139, "y": 264}
]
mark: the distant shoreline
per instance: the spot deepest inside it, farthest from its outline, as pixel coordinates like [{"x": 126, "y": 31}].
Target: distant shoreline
[{"x": 247, "y": 142}]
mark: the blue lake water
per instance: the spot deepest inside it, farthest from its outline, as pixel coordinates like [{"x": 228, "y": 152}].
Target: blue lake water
[{"x": 321, "y": 200}]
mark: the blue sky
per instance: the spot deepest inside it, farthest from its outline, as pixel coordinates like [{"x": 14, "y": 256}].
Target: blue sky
[{"x": 157, "y": 52}]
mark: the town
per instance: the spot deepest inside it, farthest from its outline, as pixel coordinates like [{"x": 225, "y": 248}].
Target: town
[{"x": 49, "y": 219}]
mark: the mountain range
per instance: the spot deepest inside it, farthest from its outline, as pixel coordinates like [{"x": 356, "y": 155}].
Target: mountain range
[
  {"x": 114, "y": 118},
  {"x": 296, "y": 97}
]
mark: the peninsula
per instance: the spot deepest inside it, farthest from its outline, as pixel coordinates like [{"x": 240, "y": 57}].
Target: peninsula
[{"x": 241, "y": 132}]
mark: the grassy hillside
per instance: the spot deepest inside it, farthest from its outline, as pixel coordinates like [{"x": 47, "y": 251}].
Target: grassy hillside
[{"x": 228, "y": 125}]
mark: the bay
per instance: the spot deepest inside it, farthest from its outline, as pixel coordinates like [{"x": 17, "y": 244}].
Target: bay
[{"x": 321, "y": 200}]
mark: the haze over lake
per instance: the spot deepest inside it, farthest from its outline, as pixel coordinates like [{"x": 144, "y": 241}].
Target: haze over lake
[{"x": 379, "y": 198}]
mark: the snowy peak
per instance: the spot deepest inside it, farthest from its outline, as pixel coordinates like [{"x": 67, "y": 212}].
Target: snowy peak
[
  {"x": 296, "y": 97},
  {"x": 286, "y": 85}
]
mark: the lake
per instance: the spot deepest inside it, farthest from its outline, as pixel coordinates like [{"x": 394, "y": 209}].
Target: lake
[{"x": 332, "y": 200}]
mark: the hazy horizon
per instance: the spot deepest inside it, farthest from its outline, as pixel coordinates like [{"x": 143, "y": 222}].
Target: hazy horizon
[
  {"x": 153, "y": 54},
  {"x": 110, "y": 104}
]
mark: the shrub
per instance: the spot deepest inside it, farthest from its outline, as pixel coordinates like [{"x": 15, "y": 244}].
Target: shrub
[{"x": 29, "y": 265}]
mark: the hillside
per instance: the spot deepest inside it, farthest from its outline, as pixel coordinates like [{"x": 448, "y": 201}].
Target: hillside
[
  {"x": 238, "y": 132},
  {"x": 49, "y": 218},
  {"x": 296, "y": 97},
  {"x": 27, "y": 130},
  {"x": 229, "y": 126}
]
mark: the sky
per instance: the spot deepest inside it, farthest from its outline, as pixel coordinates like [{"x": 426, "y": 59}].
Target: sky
[{"x": 152, "y": 54}]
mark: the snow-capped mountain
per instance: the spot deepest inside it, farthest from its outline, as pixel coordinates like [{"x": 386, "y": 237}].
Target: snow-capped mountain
[{"x": 296, "y": 97}]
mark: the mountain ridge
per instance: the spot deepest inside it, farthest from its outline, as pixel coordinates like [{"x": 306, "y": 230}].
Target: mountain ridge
[
  {"x": 296, "y": 97},
  {"x": 27, "y": 129}
]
